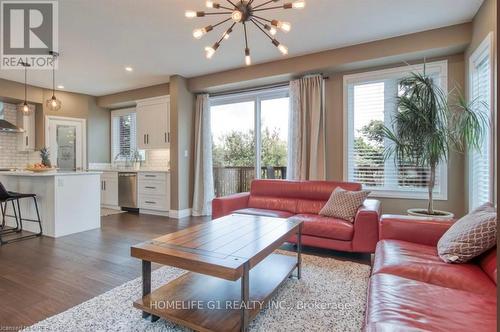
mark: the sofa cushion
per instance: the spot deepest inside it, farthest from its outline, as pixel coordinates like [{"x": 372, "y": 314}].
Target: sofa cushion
[
  {"x": 488, "y": 263},
  {"x": 344, "y": 204},
  {"x": 401, "y": 304},
  {"x": 421, "y": 262},
  {"x": 272, "y": 203},
  {"x": 294, "y": 196},
  {"x": 308, "y": 206},
  {"x": 265, "y": 213},
  {"x": 313, "y": 190},
  {"x": 326, "y": 227},
  {"x": 470, "y": 236}
]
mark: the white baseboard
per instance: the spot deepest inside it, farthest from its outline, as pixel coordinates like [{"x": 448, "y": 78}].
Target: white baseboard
[
  {"x": 154, "y": 213},
  {"x": 179, "y": 214}
]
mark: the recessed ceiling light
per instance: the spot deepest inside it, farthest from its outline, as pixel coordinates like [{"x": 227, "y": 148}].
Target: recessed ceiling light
[
  {"x": 129, "y": 69},
  {"x": 60, "y": 86}
]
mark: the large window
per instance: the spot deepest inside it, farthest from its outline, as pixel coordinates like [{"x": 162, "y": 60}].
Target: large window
[
  {"x": 371, "y": 104},
  {"x": 249, "y": 138},
  {"x": 124, "y": 135},
  {"x": 480, "y": 91}
]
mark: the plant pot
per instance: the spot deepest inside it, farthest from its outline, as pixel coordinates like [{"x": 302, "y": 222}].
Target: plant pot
[{"x": 438, "y": 214}]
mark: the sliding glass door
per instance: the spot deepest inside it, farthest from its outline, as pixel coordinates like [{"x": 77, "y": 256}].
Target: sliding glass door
[
  {"x": 250, "y": 138},
  {"x": 274, "y": 137},
  {"x": 233, "y": 146}
]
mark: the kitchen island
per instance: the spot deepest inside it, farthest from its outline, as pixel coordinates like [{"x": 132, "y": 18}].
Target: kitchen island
[{"x": 69, "y": 202}]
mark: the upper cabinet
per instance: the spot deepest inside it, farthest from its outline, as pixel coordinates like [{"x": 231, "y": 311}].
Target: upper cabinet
[
  {"x": 153, "y": 123},
  {"x": 26, "y": 140}
]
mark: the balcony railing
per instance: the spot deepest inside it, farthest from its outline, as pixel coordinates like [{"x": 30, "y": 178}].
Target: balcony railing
[{"x": 232, "y": 180}]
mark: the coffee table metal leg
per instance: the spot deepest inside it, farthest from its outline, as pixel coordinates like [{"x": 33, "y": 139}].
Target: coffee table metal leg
[
  {"x": 245, "y": 297},
  {"x": 146, "y": 282},
  {"x": 299, "y": 254}
]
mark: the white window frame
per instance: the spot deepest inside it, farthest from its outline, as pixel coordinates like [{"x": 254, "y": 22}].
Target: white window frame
[
  {"x": 116, "y": 114},
  {"x": 438, "y": 67},
  {"x": 256, "y": 97},
  {"x": 484, "y": 50}
]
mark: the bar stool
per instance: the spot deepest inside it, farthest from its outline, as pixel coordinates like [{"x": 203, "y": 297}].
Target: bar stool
[{"x": 5, "y": 198}]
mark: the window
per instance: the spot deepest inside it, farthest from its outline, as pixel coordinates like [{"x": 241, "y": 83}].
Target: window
[
  {"x": 250, "y": 138},
  {"x": 480, "y": 162},
  {"x": 370, "y": 103},
  {"x": 124, "y": 135}
]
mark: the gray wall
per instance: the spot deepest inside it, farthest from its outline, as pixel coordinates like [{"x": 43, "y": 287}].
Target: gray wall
[
  {"x": 182, "y": 129},
  {"x": 98, "y": 133}
]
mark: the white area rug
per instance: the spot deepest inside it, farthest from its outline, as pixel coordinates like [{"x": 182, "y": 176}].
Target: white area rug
[
  {"x": 331, "y": 296},
  {"x": 109, "y": 212}
]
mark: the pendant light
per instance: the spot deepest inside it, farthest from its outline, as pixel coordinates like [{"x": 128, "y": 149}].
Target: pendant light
[
  {"x": 53, "y": 104},
  {"x": 24, "y": 107}
]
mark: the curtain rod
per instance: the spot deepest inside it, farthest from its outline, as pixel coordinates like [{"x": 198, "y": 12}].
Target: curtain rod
[
  {"x": 259, "y": 88},
  {"x": 253, "y": 89}
]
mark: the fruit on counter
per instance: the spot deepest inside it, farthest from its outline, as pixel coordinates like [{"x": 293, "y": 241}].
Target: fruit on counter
[
  {"x": 45, "y": 155},
  {"x": 38, "y": 166}
]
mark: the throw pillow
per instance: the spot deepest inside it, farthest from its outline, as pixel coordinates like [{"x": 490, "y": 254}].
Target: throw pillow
[
  {"x": 344, "y": 204},
  {"x": 470, "y": 236}
]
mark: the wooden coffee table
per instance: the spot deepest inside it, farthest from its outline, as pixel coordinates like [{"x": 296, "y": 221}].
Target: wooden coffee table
[{"x": 234, "y": 271}]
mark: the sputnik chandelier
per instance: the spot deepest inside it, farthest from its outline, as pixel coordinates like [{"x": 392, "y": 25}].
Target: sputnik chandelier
[{"x": 245, "y": 12}]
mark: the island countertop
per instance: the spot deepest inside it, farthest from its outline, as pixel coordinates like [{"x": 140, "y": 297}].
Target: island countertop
[
  {"x": 68, "y": 202},
  {"x": 49, "y": 173}
]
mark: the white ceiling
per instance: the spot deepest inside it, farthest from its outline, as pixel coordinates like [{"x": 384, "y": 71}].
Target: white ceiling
[{"x": 98, "y": 38}]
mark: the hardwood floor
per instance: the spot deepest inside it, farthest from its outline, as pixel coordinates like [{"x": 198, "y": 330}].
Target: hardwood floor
[{"x": 44, "y": 276}]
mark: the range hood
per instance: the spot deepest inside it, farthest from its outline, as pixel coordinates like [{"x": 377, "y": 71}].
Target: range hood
[{"x": 6, "y": 126}]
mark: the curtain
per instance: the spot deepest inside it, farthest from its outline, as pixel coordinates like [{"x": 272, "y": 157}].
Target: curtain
[
  {"x": 307, "y": 140},
  {"x": 203, "y": 177}
]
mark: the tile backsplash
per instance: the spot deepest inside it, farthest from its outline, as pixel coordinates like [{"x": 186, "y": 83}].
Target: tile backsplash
[
  {"x": 154, "y": 159},
  {"x": 157, "y": 158},
  {"x": 10, "y": 157}
]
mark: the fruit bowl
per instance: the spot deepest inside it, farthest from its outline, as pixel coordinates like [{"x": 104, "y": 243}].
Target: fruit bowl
[{"x": 38, "y": 168}]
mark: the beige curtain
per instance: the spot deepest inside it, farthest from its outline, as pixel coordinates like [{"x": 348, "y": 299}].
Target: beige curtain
[
  {"x": 203, "y": 176},
  {"x": 307, "y": 138}
]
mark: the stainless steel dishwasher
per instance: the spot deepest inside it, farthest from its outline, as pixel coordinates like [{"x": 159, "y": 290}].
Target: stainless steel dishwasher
[{"x": 127, "y": 190}]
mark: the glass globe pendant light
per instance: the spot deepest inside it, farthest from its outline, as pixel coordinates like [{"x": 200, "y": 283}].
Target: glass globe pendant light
[
  {"x": 53, "y": 104},
  {"x": 24, "y": 107}
]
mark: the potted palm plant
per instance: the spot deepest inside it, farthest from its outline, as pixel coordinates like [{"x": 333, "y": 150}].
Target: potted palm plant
[{"x": 426, "y": 127}]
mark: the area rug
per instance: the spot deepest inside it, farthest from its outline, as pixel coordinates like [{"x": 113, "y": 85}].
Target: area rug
[
  {"x": 330, "y": 296},
  {"x": 109, "y": 212}
]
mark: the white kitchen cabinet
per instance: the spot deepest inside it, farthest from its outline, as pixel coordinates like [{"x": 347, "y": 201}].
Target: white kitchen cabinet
[
  {"x": 154, "y": 192},
  {"x": 153, "y": 127},
  {"x": 26, "y": 140},
  {"x": 109, "y": 189}
]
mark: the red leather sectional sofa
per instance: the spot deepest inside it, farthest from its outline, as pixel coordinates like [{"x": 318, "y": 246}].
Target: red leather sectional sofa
[
  {"x": 412, "y": 289},
  {"x": 304, "y": 200}
]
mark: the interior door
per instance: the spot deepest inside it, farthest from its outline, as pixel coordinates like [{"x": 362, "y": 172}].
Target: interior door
[{"x": 65, "y": 141}]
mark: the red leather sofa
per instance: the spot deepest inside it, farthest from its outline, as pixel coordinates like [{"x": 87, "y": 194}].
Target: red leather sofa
[
  {"x": 412, "y": 289},
  {"x": 304, "y": 200}
]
